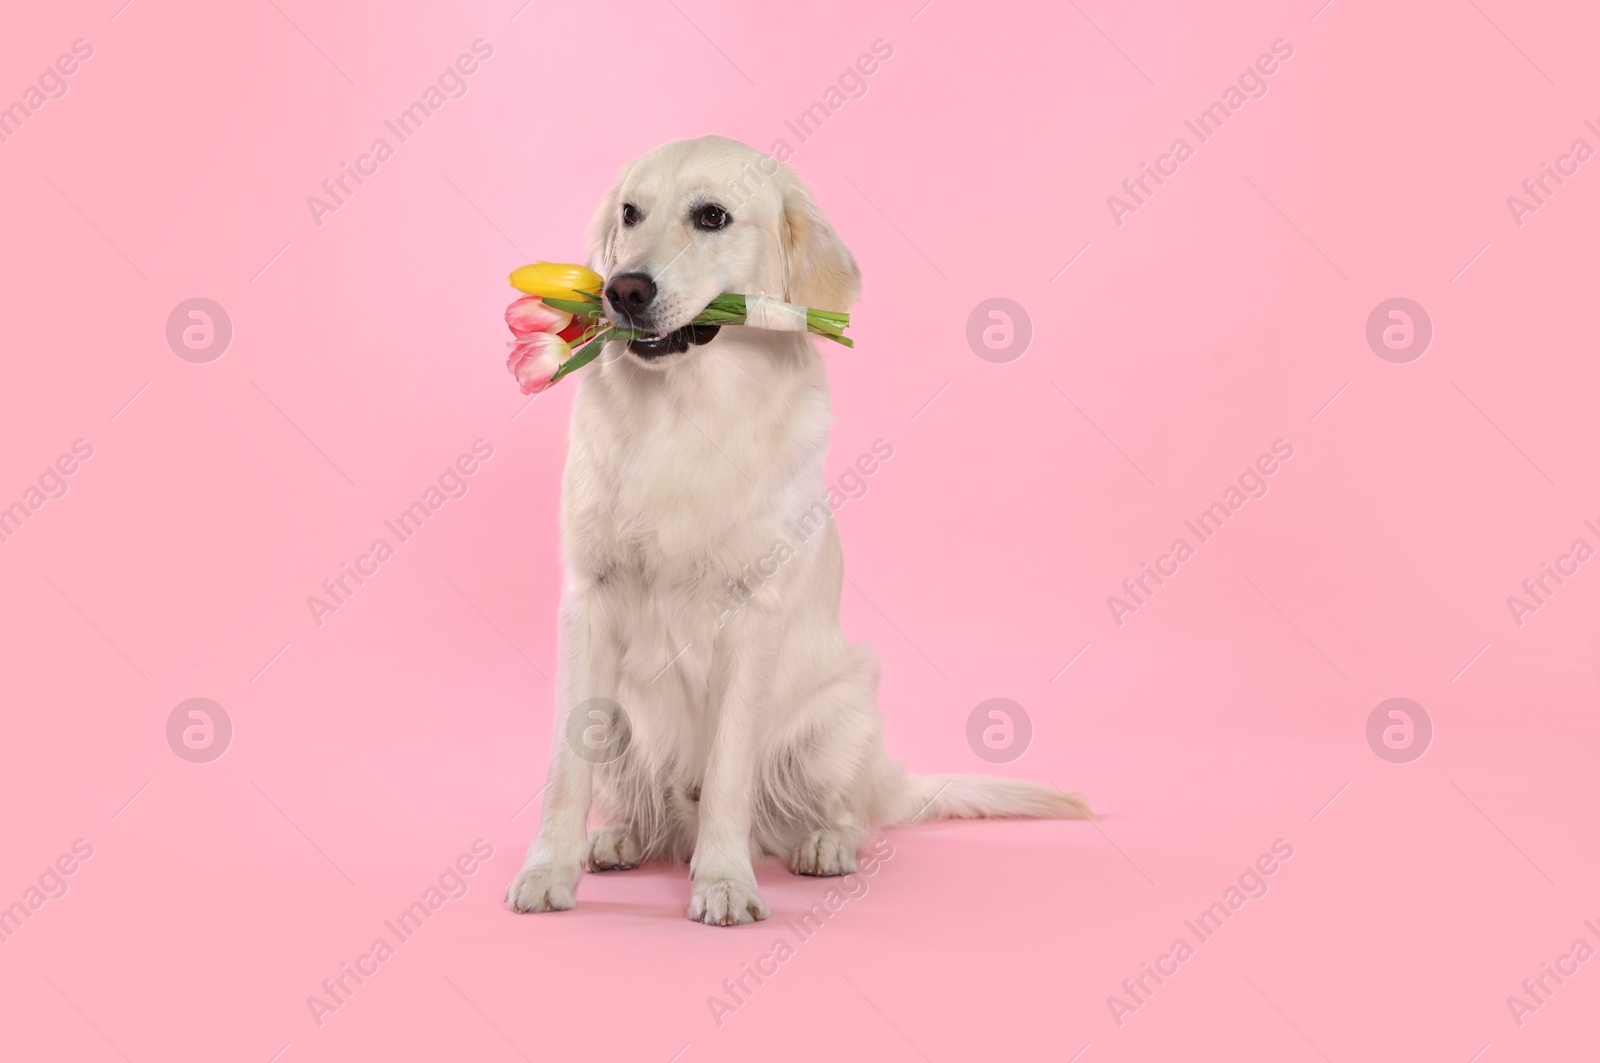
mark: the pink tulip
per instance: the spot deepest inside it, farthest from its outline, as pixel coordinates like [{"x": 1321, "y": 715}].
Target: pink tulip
[
  {"x": 529, "y": 315},
  {"x": 535, "y": 359}
]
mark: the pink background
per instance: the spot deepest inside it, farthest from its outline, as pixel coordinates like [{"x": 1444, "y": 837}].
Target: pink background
[{"x": 1224, "y": 314}]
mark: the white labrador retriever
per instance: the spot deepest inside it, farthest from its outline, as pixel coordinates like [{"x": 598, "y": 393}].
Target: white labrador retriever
[{"x": 712, "y": 711}]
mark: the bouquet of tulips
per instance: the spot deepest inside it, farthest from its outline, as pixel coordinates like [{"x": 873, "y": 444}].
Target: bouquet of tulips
[{"x": 560, "y": 323}]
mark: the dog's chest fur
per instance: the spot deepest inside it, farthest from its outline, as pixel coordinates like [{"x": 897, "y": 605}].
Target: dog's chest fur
[
  {"x": 672, "y": 489},
  {"x": 681, "y": 483}
]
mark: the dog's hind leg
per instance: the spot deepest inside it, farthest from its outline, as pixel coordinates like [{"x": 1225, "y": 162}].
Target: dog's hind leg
[
  {"x": 819, "y": 779},
  {"x": 830, "y": 850},
  {"x": 613, "y": 848}
]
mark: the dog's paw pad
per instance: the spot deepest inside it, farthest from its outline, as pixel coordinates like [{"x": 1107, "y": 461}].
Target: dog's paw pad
[
  {"x": 613, "y": 849},
  {"x": 542, "y": 889},
  {"x": 823, "y": 852},
  {"x": 724, "y": 902}
]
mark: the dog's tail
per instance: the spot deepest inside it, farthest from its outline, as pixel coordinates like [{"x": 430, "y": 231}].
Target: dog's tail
[{"x": 928, "y": 797}]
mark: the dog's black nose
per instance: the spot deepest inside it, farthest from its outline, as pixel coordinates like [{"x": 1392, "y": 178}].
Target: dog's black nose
[{"x": 630, "y": 293}]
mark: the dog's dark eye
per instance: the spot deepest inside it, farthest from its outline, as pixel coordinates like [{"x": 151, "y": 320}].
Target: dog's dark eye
[
  {"x": 711, "y": 217},
  {"x": 630, "y": 214}
]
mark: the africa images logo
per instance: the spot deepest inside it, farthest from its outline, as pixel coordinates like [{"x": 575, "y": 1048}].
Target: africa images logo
[
  {"x": 452, "y": 85},
  {"x": 1252, "y": 483},
  {"x": 1252, "y": 85},
  {"x": 1251, "y": 885}
]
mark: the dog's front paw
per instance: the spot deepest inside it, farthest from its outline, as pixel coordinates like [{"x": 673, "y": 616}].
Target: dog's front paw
[
  {"x": 542, "y": 889},
  {"x": 613, "y": 849},
  {"x": 725, "y": 902},
  {"x": 824, "y": 852}
]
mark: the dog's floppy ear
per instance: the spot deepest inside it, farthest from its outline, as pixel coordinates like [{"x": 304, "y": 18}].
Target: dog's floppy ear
[
  {"x": 819, "y": 271},
  {"x": 603, "y": 227}
]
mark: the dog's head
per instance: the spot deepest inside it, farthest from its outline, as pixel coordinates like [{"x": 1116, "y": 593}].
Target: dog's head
[{"x": 696, "y": 218}]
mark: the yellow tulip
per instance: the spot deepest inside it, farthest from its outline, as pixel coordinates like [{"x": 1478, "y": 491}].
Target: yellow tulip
[{"x": 556, "y": 280}]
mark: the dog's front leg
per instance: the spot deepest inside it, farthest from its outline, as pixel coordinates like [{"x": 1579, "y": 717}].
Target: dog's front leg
[
  {"x": 554, "y": 862},
  {"x": 724, "y": 882}
]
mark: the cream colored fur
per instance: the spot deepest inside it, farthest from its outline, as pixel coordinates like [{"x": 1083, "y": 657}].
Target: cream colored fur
[{"x": 762, "y": 736}]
